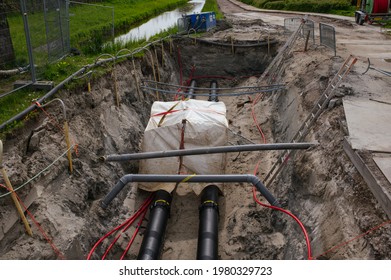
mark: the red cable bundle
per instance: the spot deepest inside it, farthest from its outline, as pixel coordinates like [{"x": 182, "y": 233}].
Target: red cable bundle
[{"x": 124, "y": 226}]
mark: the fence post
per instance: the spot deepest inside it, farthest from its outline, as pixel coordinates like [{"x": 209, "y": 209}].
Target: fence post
[{"x": 28, "y": 39}]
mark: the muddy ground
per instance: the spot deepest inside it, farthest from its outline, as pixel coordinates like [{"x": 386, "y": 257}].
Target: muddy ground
[{"x": 320, "y": 186}]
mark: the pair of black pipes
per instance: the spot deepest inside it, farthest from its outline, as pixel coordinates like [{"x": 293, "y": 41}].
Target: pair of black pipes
[
  {"x": 209, "y": 213},
  {"x": 208, "y": 228},
  {"x": 207, "y": 247},
  {"x": 212, "y": 95}
]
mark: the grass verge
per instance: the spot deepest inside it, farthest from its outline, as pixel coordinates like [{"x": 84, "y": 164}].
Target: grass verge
[{"x": 212, "y": 6}]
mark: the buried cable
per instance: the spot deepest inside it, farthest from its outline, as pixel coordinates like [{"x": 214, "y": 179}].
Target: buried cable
[
  {"x": 134, "y": 234},
  {"x": 126, "y": 224},
  {"x": 39, "y": 227}
]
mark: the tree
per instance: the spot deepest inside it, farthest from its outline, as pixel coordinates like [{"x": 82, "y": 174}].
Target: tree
[{"x": 7, "y": 54}]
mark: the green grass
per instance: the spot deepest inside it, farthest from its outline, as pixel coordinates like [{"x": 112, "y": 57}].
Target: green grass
[
  {"x": 211, "y": 6},
  {"x": 57, "y": 72},
  {"x": 16, "y": 102},
  {"x": 82, "y": 30},
  {"x": 340, "y": 7},
  {"x": 90, "y": 26}
]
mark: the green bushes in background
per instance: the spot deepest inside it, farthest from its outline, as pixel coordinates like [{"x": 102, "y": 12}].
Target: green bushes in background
[{"x": 317, "y": 6}]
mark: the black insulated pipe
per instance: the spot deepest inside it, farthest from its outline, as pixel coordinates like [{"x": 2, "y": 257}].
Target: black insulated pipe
[
  {"x": 153, "y": 237},
  {"x": 190, "y": 93},
  {"x": 213, "y": 92},
  {"x": 207, "y": 248},
  {"x": 189, "y": 179}
]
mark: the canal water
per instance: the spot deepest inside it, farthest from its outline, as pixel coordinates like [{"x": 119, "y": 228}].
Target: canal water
[{"x": 160, "y": 23}]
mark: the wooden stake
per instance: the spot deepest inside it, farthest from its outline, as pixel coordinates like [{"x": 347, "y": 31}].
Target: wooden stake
[
  {"x": 268, "y": 44},
  {"x": 13, "y": 195},
  {"x": 162, "y": 54},
  {"x": 306, "y": 40},
  {"x": 135, "y": 78},
  {"x": 115, "y": 86},
  {"x": 154, "y": 72},
  {"x": 68, "y": 141},
  {"x": 157, "y": 66}
]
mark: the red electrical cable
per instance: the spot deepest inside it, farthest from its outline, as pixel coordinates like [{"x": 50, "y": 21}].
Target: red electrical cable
[
  {"x": 180, "y": 67},
  {"x": 36, "y": 223},
  {"x": 127, "y": 224},
  {"x": 146, "y": 203},
  {"x": 353, "y": 239},
  {"x": 307, "y": 239},
  {"x": 134, "y": 235},
  {"x": 297, "y": 220},
  {"x": 256, "y": 121}
]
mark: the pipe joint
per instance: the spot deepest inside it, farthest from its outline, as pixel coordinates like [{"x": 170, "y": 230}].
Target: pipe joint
[
  {"x": 161, "y": 203},
  {"x": 209, "y": 204}
]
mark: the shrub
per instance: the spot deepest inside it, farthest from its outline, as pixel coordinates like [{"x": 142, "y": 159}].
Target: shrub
[
  {"x": 276, "y": 5},
  {"x": 319, "y": 6},
  {"x": 316, "y": 6}
]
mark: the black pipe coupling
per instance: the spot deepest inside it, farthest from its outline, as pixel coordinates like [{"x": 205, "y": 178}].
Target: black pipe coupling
[{"x": 162, "y": 199}]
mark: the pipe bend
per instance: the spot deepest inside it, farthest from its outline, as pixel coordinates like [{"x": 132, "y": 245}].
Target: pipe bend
[
  {"x": 115, "y": 191},
  {"x": 263, "y": 190}
]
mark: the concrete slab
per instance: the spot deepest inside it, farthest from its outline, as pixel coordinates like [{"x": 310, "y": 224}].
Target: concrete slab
[
  {"x": 373, "y": 176},
  {"x": 369, "y": 124},
  {"x": 383, "y": 161}
]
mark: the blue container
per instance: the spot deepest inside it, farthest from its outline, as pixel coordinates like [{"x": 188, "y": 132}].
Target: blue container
[{"x": 201, "y": 21}]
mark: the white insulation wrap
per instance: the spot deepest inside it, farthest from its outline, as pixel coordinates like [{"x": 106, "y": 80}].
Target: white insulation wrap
[{"x": 206, "y": 126}]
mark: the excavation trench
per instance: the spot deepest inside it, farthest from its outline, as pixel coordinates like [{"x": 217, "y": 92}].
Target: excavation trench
[{"x": 319, "y": 186}]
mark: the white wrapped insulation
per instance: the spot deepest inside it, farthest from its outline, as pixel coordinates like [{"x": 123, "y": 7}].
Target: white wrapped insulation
[{"x": 206, "y": 126}]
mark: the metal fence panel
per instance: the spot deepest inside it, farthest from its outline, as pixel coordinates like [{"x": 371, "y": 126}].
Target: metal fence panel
[
  {"x": 291, "y": 25},
  {"x": 327, "y": 37},
  {"x": 182, "y": 25},
  {"x": 309, "y": 26},
  {"x": 56, "y": 15}
]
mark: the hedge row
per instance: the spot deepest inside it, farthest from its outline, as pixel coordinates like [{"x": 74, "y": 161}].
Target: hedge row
[{"x": 318, "y": 6}]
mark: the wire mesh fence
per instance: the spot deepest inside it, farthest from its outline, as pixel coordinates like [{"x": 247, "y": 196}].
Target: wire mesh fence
[
  {"x": 291, "y": 25},
  {"x": 56, "y": 16},
  {"x": 39, "y": 32},
  {"x": 327, "y": 37},
  {"x": 33, "y": 33}
]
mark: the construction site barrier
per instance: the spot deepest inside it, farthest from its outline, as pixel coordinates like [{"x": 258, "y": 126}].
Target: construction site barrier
[{"x": 327, "y": 37}]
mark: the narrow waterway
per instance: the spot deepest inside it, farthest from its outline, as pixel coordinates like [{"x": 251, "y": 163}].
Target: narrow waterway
[{"x": 160, "y": 23}]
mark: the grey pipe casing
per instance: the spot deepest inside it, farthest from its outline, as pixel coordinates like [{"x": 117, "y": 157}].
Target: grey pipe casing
[
  {"x": 213, "y": 92},
  {"x": 193, "y": 85},
  {"x": 210, "y": 150},
  {"x": 189, "y": 179}
]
